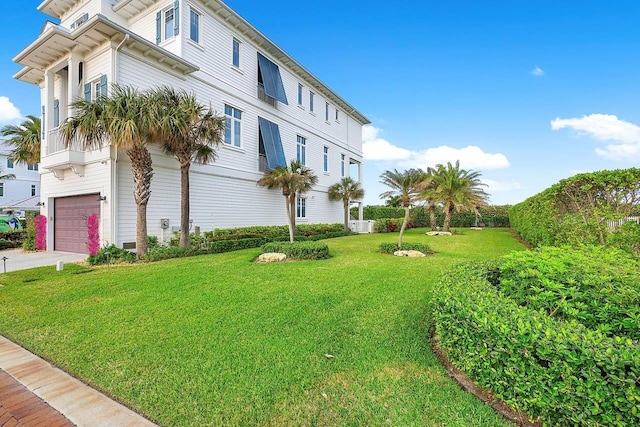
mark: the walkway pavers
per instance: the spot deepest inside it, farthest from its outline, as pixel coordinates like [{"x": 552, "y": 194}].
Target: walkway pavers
[{"x": 37, "y": 380}]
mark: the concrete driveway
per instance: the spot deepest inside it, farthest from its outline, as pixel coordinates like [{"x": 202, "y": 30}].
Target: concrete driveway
[{"x": 19, "y": 260}]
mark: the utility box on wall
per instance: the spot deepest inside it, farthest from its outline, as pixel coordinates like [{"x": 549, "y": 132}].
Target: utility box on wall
[{"x": 164, "y": 223}]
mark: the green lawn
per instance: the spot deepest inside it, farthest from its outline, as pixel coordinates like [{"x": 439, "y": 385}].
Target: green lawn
[{"x": 219, "y": 340}]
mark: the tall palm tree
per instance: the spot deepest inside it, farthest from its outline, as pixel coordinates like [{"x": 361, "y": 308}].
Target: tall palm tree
[
  {"x": 121, "y": 119},
  {"x": 25, "y": 139},
  {"x": 345, "y": 190},
  {"x": 294, "y": 180},
  {"x": 428, "y": 193},
  {"x": 459, "y": 190},
  {"x": 405, "y": 185},
  {"x": 188, "y": 131}
]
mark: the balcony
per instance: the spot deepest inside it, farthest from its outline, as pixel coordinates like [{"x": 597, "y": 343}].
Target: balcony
[
  {"x": 57, "y": 157},
  {"x": 264, "y": 97}
]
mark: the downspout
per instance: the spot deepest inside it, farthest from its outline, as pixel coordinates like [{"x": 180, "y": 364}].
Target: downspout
[{"x": 114, "y": 162}]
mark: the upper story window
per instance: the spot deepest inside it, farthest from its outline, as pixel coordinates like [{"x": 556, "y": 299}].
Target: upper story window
[
  {"x": 232, "y": 127},
  {"x": 236, "y": 53},
  {"x": 9, "y": 164},
  {"x": 1, "y": 189},
  {"x": 78, "y": 22},
  {"x": 33, "y": 167},
  {"x": 326, "y": 111},
  {"x": 168, "y": 23},
  {"x": 301, "y": 151},
  {"x": 270, "y": 86},
  {"x": 194, "y": 26},
  {"x": 337, "y": 115},
  {"x": 342, "y": 164},
  {"x": 311, "y": 101},
  {"x": 300, "y": 94},
  {"x": 95, "y": 89}
]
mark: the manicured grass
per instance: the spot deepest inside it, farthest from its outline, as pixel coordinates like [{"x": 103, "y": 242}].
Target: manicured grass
[{"x": 219, "y": 340}]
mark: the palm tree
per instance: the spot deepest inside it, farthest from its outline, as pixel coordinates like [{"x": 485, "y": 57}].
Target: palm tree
[
  {"x": 428, "y": 193},
  {"x": 188, "y": 131},
  {"x": 405, "y": 185},
  {"x": 346, "y": 190},
  {"x": 294, "y": 180},
  {"x": 25, "y": 139},
  {"x": 122, "y": 119},
  {"x": 459, "y": 190},
  {"x": 7, "y": 176}
]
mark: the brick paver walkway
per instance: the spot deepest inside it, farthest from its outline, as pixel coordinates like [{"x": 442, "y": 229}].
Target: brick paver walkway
[{"x": 20, "y": 407}]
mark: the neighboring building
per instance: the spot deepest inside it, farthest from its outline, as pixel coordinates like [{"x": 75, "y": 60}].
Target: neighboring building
[
  {"x": 16, "y": 194},
  {"x": 276, "y": 110}
]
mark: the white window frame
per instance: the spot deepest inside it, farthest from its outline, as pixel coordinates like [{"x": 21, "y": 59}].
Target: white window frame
[
  {"x": 325, "y": 159},
  {"x": 235, "y": 42},
  {"x": 33, "y": 167},
  {"x": 301, "y": 149},
  {"x": 337, "y": 116},
  {"x": 34, "y": 190},
  {"x": 192, "y": 12},
  {"x": 300, "y": 97},
  {"x": 235, "y": 138},
  {"x": 311, "y": 95},
  {"x": 326, "y": 112},
  {"x": 164, "y": 23},
  {"x": 301, "y": 207},
  {"x": 343, "y": 158}
]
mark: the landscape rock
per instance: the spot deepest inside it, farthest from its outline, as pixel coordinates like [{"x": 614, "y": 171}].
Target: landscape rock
[
  {"x": 438, "y": 233},
  {"x": 271, "y": 257},
  {"x": 410, "y": 254}
]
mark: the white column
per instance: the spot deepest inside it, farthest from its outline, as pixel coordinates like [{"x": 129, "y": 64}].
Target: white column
[
  {"x": 360, "y": 173},
  {"x": 73, "y": 74},
  {"x": 49, "y": 85},
  {"x": 360, "y": 211}
]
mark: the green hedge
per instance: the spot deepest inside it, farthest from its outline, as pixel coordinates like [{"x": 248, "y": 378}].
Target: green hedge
[
  {"x": 271, "y": 231},
  {"x": 576, "y": 210},
  {"x": 12, "y": 239},
  {"x": 298, "y": 250},
  {"x": 389, "y": 225},
  {"x": 558, "y": 371},
  {"x": 389, "y": 248},
  {"x": 490, "y": 216},
  {"x": 166, "y": 252}
]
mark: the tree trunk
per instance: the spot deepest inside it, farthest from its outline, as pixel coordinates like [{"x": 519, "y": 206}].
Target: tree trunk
[
  {"x": 404, "y": 225},
  {"x": 447, "y": 217},
  {"x": 346, "y": 216},
  {"x": 432, "y": 217},
  {"x": 292, "y": 214},
  {"x": 142, "y": 170},
  {"x": 184, "y": 204},
  {"x": 288, "y": 207}
]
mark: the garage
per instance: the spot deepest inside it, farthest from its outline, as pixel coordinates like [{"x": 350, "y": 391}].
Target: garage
[{"x": 70, "y": 222}]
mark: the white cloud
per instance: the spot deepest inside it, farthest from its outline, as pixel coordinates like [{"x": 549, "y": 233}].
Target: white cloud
[
  {"x": 8, "y": 112},
  {"x": 537, "y": 71},
  {"x": 624, "y": 136},
  {"x": 376, "y": 148},
  {"x": 470, "y": 157},
  {"x": 501, "y": 186}
]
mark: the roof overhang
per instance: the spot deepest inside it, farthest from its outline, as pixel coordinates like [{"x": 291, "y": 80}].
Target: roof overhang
[
  {"x": 228, "y": 15},
  {"x": 55, "y": 42},
  {"x": 131, "y": 8},
  {"x": 56, "y": 8}
]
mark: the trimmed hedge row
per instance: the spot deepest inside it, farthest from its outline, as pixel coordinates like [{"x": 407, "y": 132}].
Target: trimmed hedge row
[
  {"x": 576, "y": 209},
  {"x": 271, "y": 231},
  {"x": 558, "y": 371},
  {"x": 166, "y": 252},
  {"x": 298, "y": 250},
  {"x": 490, "y": 216},
  {"x": 389, "y": 248}
]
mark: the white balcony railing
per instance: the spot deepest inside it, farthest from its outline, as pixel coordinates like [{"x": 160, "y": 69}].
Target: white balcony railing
[{"x": 55, "y": 144}]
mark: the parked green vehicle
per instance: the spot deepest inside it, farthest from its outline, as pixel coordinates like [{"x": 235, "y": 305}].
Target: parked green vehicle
[{"x": 9, "y": 223}]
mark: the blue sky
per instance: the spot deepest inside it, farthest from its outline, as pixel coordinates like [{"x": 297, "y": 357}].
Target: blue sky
[{"x": 527, "y": 92}]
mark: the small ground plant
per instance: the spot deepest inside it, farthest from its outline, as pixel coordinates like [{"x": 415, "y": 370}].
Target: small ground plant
[
  {"x": 298, "y": 250},
  {"x": 389, "y": 248}
]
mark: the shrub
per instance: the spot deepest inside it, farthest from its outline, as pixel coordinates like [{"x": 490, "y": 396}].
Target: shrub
[
  {"x": 111, "y": 254},
  {"x": 558, "y": 371},
  {"x": 166, "y": 252},
  {"x": 40, "y": 223},
  {"x": 13, "y": 239},
  {"x": 626, "y": 237},
  {"x": 596, "y": 286},
  {"x": 389, "y": 248},
  {"x": 298, "y": 250},
  {"x": 389, "y": 225}
]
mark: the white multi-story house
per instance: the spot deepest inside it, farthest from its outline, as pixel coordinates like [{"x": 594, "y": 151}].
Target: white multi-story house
[
  {"x": 275, "y": 110},
  {"x": 22, "y": 192}
]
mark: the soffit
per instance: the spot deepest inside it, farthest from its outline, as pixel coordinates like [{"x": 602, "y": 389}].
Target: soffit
[
  {"x": 131, "y": 8},
  {"x": 56, "y": 42},
  {"x": 56, "y": 8}
]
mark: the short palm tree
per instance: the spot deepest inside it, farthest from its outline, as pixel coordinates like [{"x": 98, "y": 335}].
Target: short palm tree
[
  {"x": 346, "y": 190},
  {"x": 404, "y": 185},
  {"x": 188, "y": 131},
  {"x": 294, "y": 180},
  {"x": 25, "y": 140},
  {"x": 121, "y": 119},
  {"x": 459, "y": 190}
]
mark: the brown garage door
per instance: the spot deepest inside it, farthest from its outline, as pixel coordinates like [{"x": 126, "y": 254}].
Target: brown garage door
[{"x": 70, "y": 222}]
